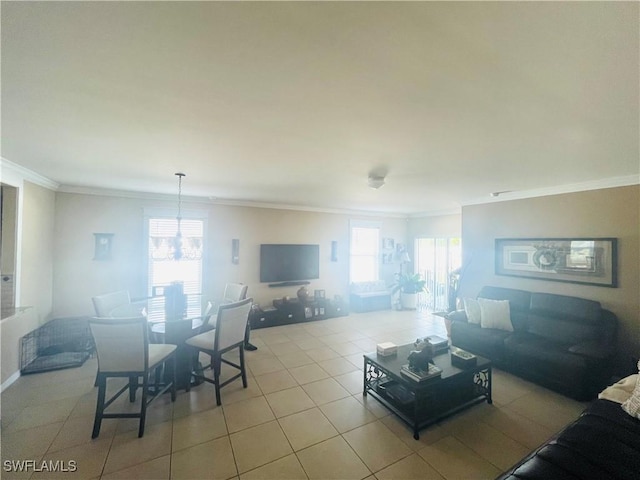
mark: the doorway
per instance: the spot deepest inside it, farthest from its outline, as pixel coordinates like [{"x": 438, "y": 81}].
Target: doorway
[
  {"x": 8, "y": 231},
  {"x": 436, "y": 258}
]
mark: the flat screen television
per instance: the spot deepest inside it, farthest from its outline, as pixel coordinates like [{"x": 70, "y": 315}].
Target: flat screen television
[{"x": 289, "y": 263}]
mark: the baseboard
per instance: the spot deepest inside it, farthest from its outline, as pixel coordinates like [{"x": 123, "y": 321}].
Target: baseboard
[{"x": 7, "y": 383}]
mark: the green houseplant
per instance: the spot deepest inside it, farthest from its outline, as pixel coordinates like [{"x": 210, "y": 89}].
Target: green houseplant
[{"x": 409, "y": 285}]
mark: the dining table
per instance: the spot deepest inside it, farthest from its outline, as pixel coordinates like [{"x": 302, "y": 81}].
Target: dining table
[{"x": 178, "y": 327}]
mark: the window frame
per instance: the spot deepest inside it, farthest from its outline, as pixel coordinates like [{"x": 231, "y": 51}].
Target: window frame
[
  {"x": 375, "y": 256},
  {"x": 168, "y": 213}
]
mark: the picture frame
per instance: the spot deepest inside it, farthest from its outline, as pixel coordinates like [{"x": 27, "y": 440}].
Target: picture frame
[
  {"x": 388, "y": 243},
  {"x": 103, "y": 246},
  {"x": 587, "y": 261}
]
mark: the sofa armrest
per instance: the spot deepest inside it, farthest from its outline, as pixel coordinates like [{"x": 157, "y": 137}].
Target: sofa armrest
[
  {"x": 457, "y": 316},
  {"x": 593, "y": 349}
]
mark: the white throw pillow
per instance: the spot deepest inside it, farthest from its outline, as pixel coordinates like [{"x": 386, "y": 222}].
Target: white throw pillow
[
  {"x": 472, "y": 309},
  {"x": 495, "y": 314},
  {"x": 632, "y": 405},
  {"x": 620, "y": 391}
]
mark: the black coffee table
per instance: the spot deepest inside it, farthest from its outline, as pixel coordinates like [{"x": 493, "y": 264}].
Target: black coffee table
[{"x": 420, "y": 404}]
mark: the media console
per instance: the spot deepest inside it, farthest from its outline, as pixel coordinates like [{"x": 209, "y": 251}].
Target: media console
[{"x": 295, "y": 311}]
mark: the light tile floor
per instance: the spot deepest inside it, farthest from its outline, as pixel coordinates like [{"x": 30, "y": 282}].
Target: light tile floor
[{"x": 303, "y": 416}]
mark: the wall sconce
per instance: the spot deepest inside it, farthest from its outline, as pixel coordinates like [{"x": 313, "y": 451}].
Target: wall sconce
[{"x": 235, "y": 251}]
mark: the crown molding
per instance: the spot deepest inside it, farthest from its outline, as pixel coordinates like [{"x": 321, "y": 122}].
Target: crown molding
[
  {"x": 221, "y": 201},
  {"x": 437, "y": 213},
  {"x": 14, "y": 170},
  {"x": 29, "y": 175},
  {"x": 302, "y": 208},
  {"x": 111, "y": 192},
  {"x": 611, "y": 182}
]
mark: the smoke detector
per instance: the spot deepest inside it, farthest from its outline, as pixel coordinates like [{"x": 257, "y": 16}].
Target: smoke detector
[{"x": 375, "y": 181}]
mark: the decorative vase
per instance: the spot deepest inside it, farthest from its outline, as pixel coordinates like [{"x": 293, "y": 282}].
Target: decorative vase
[
  {"x": 303, "y": 294},
  {"x": 409, "y": 301}
]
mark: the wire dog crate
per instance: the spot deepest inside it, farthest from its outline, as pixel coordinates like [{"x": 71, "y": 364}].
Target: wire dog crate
[{"x": 59, "y": 343}]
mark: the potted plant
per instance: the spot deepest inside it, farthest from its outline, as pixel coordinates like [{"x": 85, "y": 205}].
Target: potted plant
[{"x": 409, "y": 285}]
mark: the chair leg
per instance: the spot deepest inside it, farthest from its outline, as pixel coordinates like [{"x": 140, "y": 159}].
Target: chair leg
[
  {"x": 191, "y": 367},
  {"x": 143, "y": 407},
  {"x": 157, "y": 378},
  {"x": 217, "y": 363},
  {"x": 102, "y": 388},
  {"x": 243, "y": 371},
  {"x": 173, "y": 380},
  {"x": 248, "y": 345},
  {"x": 133, "y": 385}
]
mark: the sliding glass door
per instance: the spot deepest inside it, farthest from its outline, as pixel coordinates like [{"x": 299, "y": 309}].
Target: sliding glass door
[{"x": 436, "y": 258}]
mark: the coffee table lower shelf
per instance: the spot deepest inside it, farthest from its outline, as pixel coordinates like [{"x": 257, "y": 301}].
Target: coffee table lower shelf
[{"x": 420, "y": 405}]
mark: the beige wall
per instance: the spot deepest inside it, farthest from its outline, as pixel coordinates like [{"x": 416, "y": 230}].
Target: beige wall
[
  {"x": 36, "y": 257},
  {"x": 77, "y": 277},
  {"x": 613, "y": 212},
  {"x": 440, "y": 226},
  {"x": 36, "y": 280}
]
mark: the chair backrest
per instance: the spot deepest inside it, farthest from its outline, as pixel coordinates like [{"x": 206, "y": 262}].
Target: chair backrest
[
  {"x": 234, "y": 292},
  {"x": 121, "y": 343},
  {"x": 231, "y": 324},
  {"x": 104, "y": 304},
  {"x": 206, "y": 315}
]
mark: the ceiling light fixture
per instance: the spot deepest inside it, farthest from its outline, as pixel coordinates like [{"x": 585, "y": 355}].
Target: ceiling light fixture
[
  {"x": 376, "y": 181},
  {"x": 167, "y": 245}
]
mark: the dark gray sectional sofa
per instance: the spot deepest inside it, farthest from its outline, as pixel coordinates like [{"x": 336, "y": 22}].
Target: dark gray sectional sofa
[
  {"x": 564, "y": 343},
  {"x": 603, "y": 443}
]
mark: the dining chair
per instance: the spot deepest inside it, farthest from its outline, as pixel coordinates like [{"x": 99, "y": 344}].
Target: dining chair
[
  {"x": 123, "y": 349},
  {"x": 234, "y": 292},
  {"x": 119, "y": 301},
  {"x": 228, "y": 335},
  {"x": 105, "y": 304}
]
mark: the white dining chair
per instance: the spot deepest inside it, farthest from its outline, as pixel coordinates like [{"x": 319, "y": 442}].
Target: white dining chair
[
  {"x": 123, "y": 349},
  {"x": 228, "y": 335}
]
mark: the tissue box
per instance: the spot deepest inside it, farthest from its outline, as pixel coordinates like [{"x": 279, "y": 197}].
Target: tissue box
[{"x": 386, "y": 349}]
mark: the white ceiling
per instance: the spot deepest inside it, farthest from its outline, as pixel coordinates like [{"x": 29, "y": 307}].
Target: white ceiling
[{"x": 295, "y": 103}]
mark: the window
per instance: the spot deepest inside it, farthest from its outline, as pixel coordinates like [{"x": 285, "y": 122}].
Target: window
[
  {"x": 364, "y": 250},
  {"x": 164, "y": 269}
]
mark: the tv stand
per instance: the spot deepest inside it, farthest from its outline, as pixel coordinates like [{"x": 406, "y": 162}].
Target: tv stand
[
  {"x": 289, "y": 284},
  {"x": 294, "y": 311}
]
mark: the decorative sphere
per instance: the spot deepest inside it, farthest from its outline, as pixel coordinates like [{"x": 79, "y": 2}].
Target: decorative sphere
[{"x": 303, "y": 294}]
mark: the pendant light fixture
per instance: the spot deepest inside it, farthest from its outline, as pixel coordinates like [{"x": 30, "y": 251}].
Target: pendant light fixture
[{"x": 177, "y": 255}]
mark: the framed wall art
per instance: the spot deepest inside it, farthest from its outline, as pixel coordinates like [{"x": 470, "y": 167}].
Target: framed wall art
[
  {"x": 103, "y": 244},
  {"x": 589, "y": 261}
]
